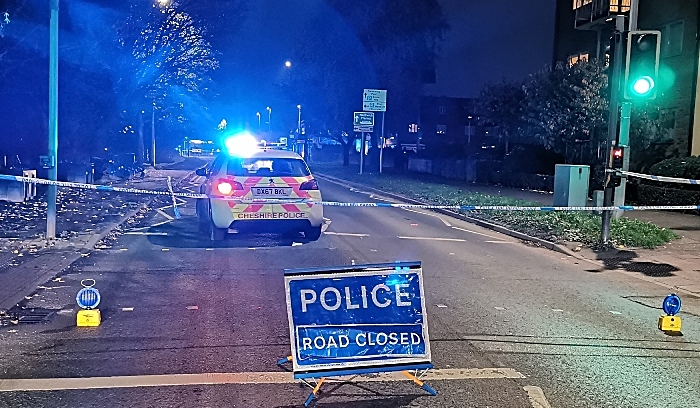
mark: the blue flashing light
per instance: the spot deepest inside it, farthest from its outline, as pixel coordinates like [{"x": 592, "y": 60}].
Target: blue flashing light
[
  {"x": 241, "y": 144},
  {"x": 672, "y": 304}
]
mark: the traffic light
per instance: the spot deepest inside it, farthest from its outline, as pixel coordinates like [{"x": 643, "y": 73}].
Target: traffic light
[
  {"x": 642, "y": 65},
  {"x": 617, "y": 158}
]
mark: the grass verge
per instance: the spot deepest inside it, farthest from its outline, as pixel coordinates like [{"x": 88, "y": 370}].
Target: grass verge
[{"x": 554, "y": 226}]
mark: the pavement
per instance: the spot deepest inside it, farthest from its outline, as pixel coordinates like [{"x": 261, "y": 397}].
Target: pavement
[
  {"x": 85, "y": 219},
  {"x": 188, "y": 322}
]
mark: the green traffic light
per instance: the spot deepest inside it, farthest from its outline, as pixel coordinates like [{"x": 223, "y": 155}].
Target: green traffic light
[{"x": 643, "y": 85}]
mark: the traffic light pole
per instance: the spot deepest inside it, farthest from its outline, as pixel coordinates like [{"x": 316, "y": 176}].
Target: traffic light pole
[
  {"x": 620, "y": 191},
  {"x": 53, "y": 122},
  {"x": 618, "y": 56}
]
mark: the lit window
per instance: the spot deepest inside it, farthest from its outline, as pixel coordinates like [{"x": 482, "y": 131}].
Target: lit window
[
  {"x": 441, "y": 129},
  {"x": 672, "y": 39},
  {"x": 620, "y": 6},
  {"x": 580, "y": 3},
  {"x": 576, "y": 58},
  {"x": 442, "y": 110}
]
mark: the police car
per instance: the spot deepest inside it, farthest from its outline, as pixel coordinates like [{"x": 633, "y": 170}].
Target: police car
[{"x": 244, "y": 183}]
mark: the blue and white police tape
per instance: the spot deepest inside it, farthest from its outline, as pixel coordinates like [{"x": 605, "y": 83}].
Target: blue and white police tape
[
  {"x": 340, "y": 204},
  {"x": 96, "y": 187},
  {"x": 660, "y": 178}
]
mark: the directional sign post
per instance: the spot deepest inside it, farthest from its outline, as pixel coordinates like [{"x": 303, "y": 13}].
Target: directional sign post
[
  {"x": 363, "y": 122},
  {"x": 374, "y": 100}
]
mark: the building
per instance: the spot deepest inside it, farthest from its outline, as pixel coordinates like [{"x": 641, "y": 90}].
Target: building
[
  {"x": 582, "y": 32},
  {"x": 448, "y": 126}
]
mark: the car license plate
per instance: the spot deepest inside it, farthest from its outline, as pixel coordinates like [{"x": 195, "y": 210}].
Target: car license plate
[{"x": 272, "y": 191}]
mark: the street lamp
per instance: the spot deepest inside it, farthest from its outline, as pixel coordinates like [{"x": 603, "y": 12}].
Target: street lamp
[
  {"x": 269, "y": 119},
  {"x": 299, "y": 124},
  {"x": 288, "y": 64},
  {"x": 258, "y": 114},
  {"x": 163, "y": 3}
]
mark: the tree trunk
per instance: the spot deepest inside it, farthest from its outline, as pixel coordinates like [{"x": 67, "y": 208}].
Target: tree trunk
[{"x": 140, "y": 147}]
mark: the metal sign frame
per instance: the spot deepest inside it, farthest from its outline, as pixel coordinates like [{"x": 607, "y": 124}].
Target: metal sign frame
[{"x": 344, "y": 320}]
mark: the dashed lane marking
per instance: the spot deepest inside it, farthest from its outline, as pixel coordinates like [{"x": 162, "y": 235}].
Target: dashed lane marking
[
  {"x": 435, "y": 239},
  {"x": 164, "y": 380},
  {"x": 536, "y": 396},
  {"x": 345, "y": 234},
  {"x": 475, "y": 232},
  {"x": 145, "y": 233},
  {"x": 430, "y": 215}
]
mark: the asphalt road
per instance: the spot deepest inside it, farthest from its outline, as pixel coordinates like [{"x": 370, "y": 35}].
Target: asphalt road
[{"x": 556, "y": 330}]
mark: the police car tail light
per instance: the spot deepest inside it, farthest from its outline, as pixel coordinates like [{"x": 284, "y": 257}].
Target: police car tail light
[
  {"x": 309, "y": 185},
  {"x": 226, "y": 187}
]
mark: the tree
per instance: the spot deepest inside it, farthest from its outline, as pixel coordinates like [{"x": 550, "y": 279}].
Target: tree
[{"x": 166, "y": 68}]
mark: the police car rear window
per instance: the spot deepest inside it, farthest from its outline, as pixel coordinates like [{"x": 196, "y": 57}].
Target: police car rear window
[{"x": 267, "y": 167}]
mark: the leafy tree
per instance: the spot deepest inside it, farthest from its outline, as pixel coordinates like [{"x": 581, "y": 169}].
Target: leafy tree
[{"x": 166, "y": 68}]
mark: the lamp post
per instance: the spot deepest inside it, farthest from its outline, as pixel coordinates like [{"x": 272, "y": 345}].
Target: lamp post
[
  {"x": 258, "y": 115},
  {"x": 299, "y": 124},
  {"x": 269, "y": 119},
  {"x": 53, "y": 122}
]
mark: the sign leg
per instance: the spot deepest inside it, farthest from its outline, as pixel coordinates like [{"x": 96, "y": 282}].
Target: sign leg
[
  {"x": 285, "y": 360},
  {"x": 420, "y": 383},
  {"x": 314, "y": 392}
]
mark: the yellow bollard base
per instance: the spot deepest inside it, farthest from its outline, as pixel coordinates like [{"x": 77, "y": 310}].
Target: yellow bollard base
[
  {"x": 670, "y": 324},
  {"x": 88, "y": 318}
]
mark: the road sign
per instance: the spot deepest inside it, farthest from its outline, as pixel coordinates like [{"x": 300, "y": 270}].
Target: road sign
[
  {"x": 374, "y": 106},
  {"x": 88, "y": 297},
  {"x": 356, "y": 319},
  {"x": 374, "y": 95},
  {"x": 364, "y": 129},
  {"x": 363, "y": 119},
  {"x": 374, "y": 100},
  {"x": 672, "y": 304}
]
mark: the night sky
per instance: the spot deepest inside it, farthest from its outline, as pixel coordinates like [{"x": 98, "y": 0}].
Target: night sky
[{"x": 488, "y": 40}]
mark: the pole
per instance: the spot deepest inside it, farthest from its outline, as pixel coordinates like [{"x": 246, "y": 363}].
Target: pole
[
  {"x": 299, "y": 124},
  {"x": 616, "y": 45},
  {"x": 269, "y": 120},
  {"x": 620, "y": 191},
  {"x": 53, "y": 121},
  {"x": 381, "y": 147},
  {"x": 153, "y": 133},
  {"x": 362, "y": 152}
]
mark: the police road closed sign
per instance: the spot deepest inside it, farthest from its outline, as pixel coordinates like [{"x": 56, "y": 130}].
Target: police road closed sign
[{"x": 355, "y": 317}]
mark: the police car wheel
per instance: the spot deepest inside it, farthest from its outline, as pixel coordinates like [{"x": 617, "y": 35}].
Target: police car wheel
[
  {"x": 203, "y": 217},
  {"x": 313, "y": 233}
]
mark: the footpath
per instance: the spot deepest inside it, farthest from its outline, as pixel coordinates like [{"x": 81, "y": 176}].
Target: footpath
[
  {"x": 84, "y": 219},
  {"x": 675, "y": 265}
]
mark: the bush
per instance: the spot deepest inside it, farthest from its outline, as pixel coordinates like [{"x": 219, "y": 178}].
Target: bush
[{"x": 681, "y": 167}]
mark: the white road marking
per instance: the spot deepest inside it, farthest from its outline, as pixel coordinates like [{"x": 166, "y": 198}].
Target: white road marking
[
  {"x": 127, "y": 309},
  {"x": 499, "y": 242},
  {"x": 160, "y": 223},
  {"x": 145, "y": 233},
  {"x": 168, "y": 216},
  {"x": 431, "y": 215},
  {"x": 165, "y": 249},
  {"x": 273, "y": 377},
  {"x": 536, "y": 396},
  {"x": 615, "y": 312},
  {"x": 435, "y": 239},
  {"x": 474, "y": 232},
  {"x": 345, "y": 234}
]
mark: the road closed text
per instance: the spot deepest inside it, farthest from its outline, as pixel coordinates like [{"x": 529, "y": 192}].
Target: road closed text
[{"x": 339, "y": 341}]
